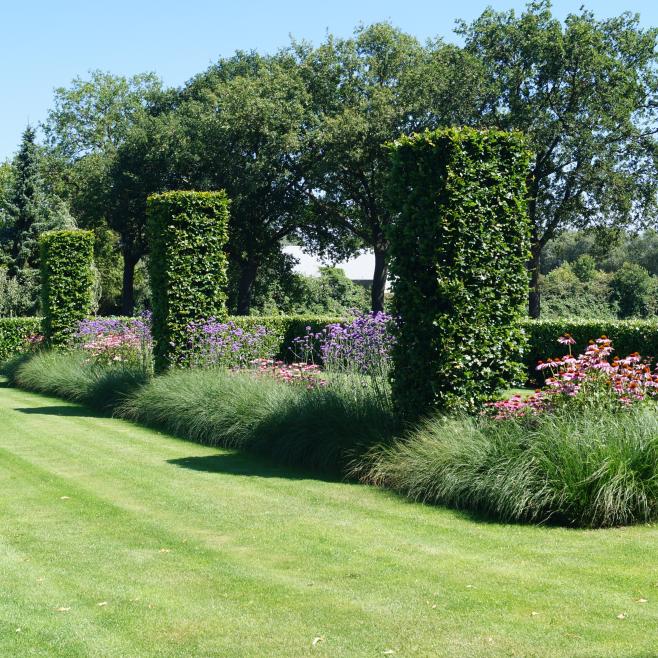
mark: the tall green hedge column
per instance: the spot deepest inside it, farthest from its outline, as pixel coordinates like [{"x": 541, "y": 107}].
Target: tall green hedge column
[
  {"x": 66, "y": 282},
  {"x": 459, "y": 248},
  {"x": 187, "y": 233}
]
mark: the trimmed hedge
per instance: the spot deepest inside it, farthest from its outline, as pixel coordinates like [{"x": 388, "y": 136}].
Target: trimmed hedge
[
  {"x": 187, "y": 234},
  {"x": 459, "y": 248},
  {"x": 14, "y": 333},
  {"x": 284, "y": 329},
  {"x": 66, "y": 282},
  {"x": 627, "y": 335}
]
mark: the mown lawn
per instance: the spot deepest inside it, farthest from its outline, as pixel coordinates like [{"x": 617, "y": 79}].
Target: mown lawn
[{"x": 119, "y": 541}]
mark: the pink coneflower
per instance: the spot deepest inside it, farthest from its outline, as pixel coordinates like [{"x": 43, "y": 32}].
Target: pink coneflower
[{"x": 567, "y": 339}]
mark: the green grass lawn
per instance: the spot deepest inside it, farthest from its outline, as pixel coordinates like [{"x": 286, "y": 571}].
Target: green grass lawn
[{"x": 119, "y": 541}]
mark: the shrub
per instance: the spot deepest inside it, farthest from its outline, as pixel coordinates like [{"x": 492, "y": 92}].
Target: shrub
[
  {"x": 187, "y": 234},
  {"x": 331, "y": 293},
  {"x": 564, "y": 294},
  {"x": 18, "y": 294},
  {"x": 66, "y": 282},
  {"x": 632, "y": 289},
  {"x": 17, "y": 335},
  {"x": 458, "y": 260},
  {"x": 584, "y": 267},
  {"x": 589, "y": 469}
]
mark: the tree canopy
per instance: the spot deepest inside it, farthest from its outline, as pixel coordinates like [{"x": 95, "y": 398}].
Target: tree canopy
[
  {"x": 296, "y": 138},
  {"x": 366, "y": 91},
  {"x": 585, "y": 93}
]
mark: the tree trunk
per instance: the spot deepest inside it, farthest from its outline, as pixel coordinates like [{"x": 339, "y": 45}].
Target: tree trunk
[
  {"x": 379, "y": 280},
  {"x": 534, "y": 298},
  {"x": 248, "y": 271},
  {"x": 128, "y": 285}
]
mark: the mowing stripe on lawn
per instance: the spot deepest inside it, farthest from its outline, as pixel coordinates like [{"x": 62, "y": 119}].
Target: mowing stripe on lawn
[{"x": 194, "y": 551}]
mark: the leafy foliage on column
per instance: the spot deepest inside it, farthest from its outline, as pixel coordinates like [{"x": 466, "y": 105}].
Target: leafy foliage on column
[
  {"x": 66, "y": 282},
  {"x": 459, "y": 248},
  {"x": 187, "y": 233}
]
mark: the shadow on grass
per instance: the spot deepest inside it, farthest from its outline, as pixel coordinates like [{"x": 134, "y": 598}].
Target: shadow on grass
[
  {"x": 235, "y": 463},
  {"x": 487, "y": 518},
  {"x": 61, "y": 410}
]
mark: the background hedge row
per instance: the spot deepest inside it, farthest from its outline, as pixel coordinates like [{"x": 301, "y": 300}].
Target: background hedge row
[{"x": 627, "y": 335}]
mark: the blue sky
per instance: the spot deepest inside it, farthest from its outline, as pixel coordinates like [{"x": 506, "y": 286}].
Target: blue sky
[{"x": 44, "y": 44}]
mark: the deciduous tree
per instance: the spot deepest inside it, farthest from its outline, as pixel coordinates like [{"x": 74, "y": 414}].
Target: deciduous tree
[{"x": 585, "y": 92}]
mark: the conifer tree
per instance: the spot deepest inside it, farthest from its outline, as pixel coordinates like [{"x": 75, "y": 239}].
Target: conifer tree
[{"x": 32, "y": 210}]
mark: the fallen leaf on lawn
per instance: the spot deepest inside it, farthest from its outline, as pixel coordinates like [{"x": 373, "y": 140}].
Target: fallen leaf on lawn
[
  {"x": 18, "y": 630},
  {"x": 317, "y": 640},
  {"x": 102, "y": 603},
  {"x": 533, "y": 614},
  {"x": 642, "y": 601},
  {"x": 62, "y": 609},
  {"x": 165, "y": 550},
  {"x": 433, "y": 606},
  {"x": 388, "y": 652},
  {"x": 470, "y": 586},
  {"x": 621, "y": 615},
  {"x": 64, "y": 497}
]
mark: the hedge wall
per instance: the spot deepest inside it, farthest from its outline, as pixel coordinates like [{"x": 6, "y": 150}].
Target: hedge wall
[
  {"x": 459, "y": 247},
  {"x": 627, "y": 335},
  {"x": 284, "y": 329},
  {"x": 187, "y": 233},
  {"x": 14, "y": 334},
  {"x": 66, "y": 282}
]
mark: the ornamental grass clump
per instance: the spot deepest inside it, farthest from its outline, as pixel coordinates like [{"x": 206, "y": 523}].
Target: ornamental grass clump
[
  {"x": 587, "y": 469},
  {"x": 322, "y": 428},
  {"x": 583, "y": 451},
  {"x": 69, "y": 374}
]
